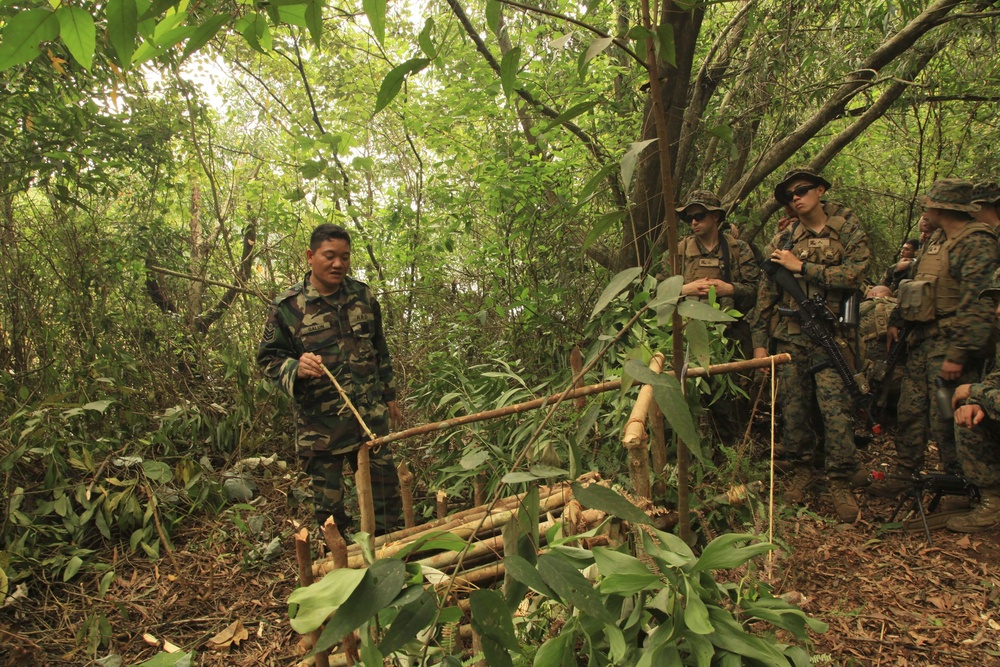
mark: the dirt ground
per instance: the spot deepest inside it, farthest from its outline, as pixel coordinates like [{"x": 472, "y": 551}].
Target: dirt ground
[{"x": 889, "y": 597}]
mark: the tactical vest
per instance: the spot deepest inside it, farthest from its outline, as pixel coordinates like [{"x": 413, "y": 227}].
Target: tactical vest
[
  {"x": 826, "y": 250},
  {"x": 696, "y": 265},
  {"x": 934, "y": 293}
]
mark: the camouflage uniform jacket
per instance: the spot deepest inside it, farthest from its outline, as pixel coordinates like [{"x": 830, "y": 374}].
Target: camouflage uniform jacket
[
  {"x": 743, "y": 271},
  {"x": 986, "y": 394},
  {"x": 845, "y": 275},
  {"x": 345, "y": 328},
  {"x": 966, "y": 333}
]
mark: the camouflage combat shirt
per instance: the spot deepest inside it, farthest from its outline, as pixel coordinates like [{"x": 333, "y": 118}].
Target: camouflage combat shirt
[
  {"x": 345, "y": 328},
  {"x": 837, "y": 279}
]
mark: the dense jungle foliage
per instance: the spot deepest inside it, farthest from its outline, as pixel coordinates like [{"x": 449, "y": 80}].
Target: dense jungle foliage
[{"x": 162, "y": 164}]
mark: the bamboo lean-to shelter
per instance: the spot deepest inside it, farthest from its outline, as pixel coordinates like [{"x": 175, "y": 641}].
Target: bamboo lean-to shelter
[{"x": 480, "y": 564}]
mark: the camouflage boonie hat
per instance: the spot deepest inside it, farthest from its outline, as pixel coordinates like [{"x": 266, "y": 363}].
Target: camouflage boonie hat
[
  {"x": 994, "y": 289},
  {"x": 705, "y": 198},
  {"x": 986, "y": 192},
  {"x": 798, "y": 172},
  {"x": 953, "y": 194}
]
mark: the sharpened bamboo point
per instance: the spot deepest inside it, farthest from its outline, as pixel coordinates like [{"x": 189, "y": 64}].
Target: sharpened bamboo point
[
  {"x": 304, "y": 559},
  {"x": 338, "y": 555},
  {"x": 634, "y": 438},
  {"x": 442, "y": 503}
]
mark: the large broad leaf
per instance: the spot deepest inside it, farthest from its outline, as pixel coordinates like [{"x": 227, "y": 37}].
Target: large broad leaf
[
  {"x": 630, "y": 158},
  {"x": 696, "y": 334},
  {"x": 522, "y": 570},
  {"x": 701, "y": 649},
  {"x": 572, "y": 587},
  {"x": 623, "y": 574},
  {"x": 615, "y": 287},
  {"x": 569, "y": 115},
  {"x": 437, "y": 541},
  {"x": 695, "y": 612},
  {"x": 393, "y": 81},
  {"x": 602, "y": 225},
  {"x": 669, "y": 548},
  {"x": 508, "y": 70},
  {"x": 375, "y": 11},
  {"x": 78, "y": 33},
  {"x": 179, "y": 659},
  {"x": 722, "y": 552},
  {"x": 314, "y": 19},
  {"x": 731, "y": 636},
  {"x": 123, "y": 22},
  {"x": 206, "y": 31},
  {"x": 492, "y": 619},
  {"x": 317, "y": 601},
  {"x": 553, "y": 652},
  {"x": 642, "y": 373},
  {"x": 382, "y": 582},
  {"x": 425, "y": 41},
  {"x": 23, "y": 33},
  {"x": 410, "y": 620},
  {"x": 698, "y": 310},
  {"x": 493, "y": 15},
  {"x": 602, "y": 498}
]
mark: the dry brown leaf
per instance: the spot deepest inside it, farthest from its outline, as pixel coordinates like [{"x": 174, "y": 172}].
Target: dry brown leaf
[
  {"x": 965, "y": 542},
  {"x": 938, "y": 602},
  {"x": 232, "y": 635}
]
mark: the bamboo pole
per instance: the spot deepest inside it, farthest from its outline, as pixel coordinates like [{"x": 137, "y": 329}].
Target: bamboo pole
[
  {"x": 658, "y": 450},
  {"x": 406, "y": 494},
  {"x": 338, "y": 555},
  {"x": 441, "y": 501},
  {"x": 589, "y": 390},
  {"x": 305, "y": 579},
  {"x": 479, "y": 489},
  {"x": 634, "y": 439}
]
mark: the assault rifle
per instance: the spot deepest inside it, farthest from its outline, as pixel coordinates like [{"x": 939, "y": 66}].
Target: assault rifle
[
  {"x": 817, "y": 321},
  {"x": 935, "y": 484},
  {"x": 875, "y": 400}
]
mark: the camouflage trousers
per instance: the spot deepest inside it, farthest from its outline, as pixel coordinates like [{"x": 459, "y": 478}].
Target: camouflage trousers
[
  {"x": 978, "y": 451},
  {"x": 327, "y": 472},
  {"x": 918, "y": 418},
  {"x": 799, "y": 393}
]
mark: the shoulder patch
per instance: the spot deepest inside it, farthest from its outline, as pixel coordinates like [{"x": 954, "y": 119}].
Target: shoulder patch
[{"x": 269, "y": 332}]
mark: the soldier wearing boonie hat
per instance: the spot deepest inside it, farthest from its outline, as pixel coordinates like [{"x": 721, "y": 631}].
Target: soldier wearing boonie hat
[
  {"x": 712, "y": 259},
  {"x": 987, "y": 195},
  {"x": 826, "y": 250},
  {"x": 977, "y": 432},
  {"x": 949, "y": 326}
]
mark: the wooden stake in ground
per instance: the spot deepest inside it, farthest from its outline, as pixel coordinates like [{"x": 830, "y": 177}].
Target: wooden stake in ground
[
  {"x": 406, "y": 494},
  {"x": 338, "y": 554},
  {"x": 305, "y": 579},
  {"x": 634, "y": 439}
]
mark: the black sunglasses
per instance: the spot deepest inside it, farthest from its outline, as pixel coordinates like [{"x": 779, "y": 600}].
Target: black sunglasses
[
  {"x": 788, "y": 195},
  {"x": 701, "y": 215}
]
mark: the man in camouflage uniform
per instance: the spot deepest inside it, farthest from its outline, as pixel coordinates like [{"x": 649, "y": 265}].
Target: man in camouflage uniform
[
  {"x": 873, "y": 328},
  {"x": 713, "y": 259},
  {"x": 977, "y": 432},
  {"x": 827, "y": 251},
  {"x": 987, "y": 195},
  {"x": 949, "y": 327},
  {"x": 332, "y": 320}
]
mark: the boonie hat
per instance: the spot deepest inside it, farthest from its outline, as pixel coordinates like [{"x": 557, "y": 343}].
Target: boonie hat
[
  {"x": 985, "y": 192},
  {"x": 798, "y": 172},
  {"x": 705, "y": 198},
  {"x": 994, "y": 289},
  {"x": 953, "y": 194}
]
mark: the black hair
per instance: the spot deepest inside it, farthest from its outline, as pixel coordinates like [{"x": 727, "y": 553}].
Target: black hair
[
  {"x": 912, "y": 242},
  {"x": 328, "y": 232}
]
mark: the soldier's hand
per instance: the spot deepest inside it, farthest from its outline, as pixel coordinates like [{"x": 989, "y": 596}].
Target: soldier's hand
[
  {"x": 961, "y": 394},
  {"x": 395, "y": 414},
  {"x": 697, "y": 287},
  {"x": 950, "y": 370},
  {"x": 969, "y": 415},
  {"x": 761, "y": 353},
  {"x": 891, "y": 336},
  {"x": 310, "y": 366},
  {"x": 722, "y": 288},
  {"x": 787, "y": 259}
]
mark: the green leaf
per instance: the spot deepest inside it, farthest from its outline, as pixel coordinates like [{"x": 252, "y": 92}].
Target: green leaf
[
  {"x": 698, "y": 310},
  {"x": 78, "y": 33},
  {"x": 436, "y": 541},
  {"x": 508, "y": 70},
  {"x": 722, "y": 552},
  {"x": 669, "y": 548},
  {"x": 97, "y": 406},
  {"x": 375, "y": 11},
  {"x": 207, "y": 31},
  {"x": 665, "y": 43},
  {"x": 731, "y": 636},
  {"x": 572, "y": 587},
  {"x": 293, "y": 15},
  {"x": 105, "y": 583},
  {"x": 696, "y": 334},
  {"x": 616, "y": 643},
  {"x": 723, "y": 132},
  {"x": 623, "y": 574},
  {"x": 615, "y": 287},
  {"x": 491, "y": 618},
  {"x": 642, "y": 373},
  {"x": 551, "y": 653},
  {"x": 314, "y": 19},
  {"x": 520, "y": 477},
  {"x": 493, "y": 16},
  {"x": 591, "y": 186},
  {"x": 22, "y": 35},
  {"x": 596, "y": 47},
  {"x": 72, "y": 567},
  {"x": 163, "y": 659},
  {"x": 473, "y": 460},
  {"x": 570, "y": 114},
  {"x": 675, "y": 408},
  {"x": 158, "y": 471},
  {"x": 381, "y": 584},
  {"x": 525, "y": 572},
  {"x": 257, "y": 33},
  {"x": 122, "y": 25},
  {"x": 695, "y": 612},
  {"x": 701, "y": 649},
  {"x": 630, "y": 159},
  {"x": 425, "y": 41},
  {"x": 393, "y": 81},
  {"x": 317, "y": 601},
  {"x": 602, "y": 498},
  {"x": 410, "y": 620}
]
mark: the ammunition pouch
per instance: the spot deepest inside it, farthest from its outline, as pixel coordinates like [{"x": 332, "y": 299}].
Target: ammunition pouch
[{"x": 917, "y": 300}]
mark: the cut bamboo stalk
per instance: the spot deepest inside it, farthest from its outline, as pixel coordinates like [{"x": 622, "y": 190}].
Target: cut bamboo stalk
[
  {"x": 635, "y": 437},
  {"x": 479, "y": 489},
  {"x": 406, "y": 494},
  {"x": 658, "y": 450},
  {"x": 363, "y": 481},
  {"x": 441, "y": 499},
  {"x": 305, "y": 579},
  {"x": 576, "y": 365},
  {"x": 338, "y": 555}
]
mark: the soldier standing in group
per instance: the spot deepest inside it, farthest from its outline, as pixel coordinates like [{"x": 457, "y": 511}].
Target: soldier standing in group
[
  {"x": 827, "y": 252},
  {"x": 977, "y": 417},
  {"x": 716, "y": 260},
  {"x": 949, "y": 327},
  {"x": 334, "y": 321},
  {"x": 987, "y": 195}
]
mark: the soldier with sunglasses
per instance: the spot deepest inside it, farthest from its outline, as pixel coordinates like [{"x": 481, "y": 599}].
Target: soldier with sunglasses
[
  {"x": 826, "y": 250},
  {"x": 716, "y": 260}
]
